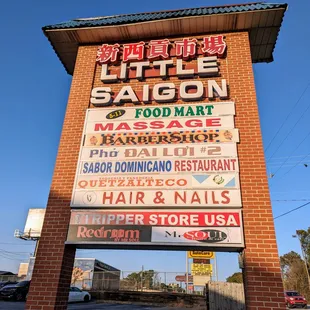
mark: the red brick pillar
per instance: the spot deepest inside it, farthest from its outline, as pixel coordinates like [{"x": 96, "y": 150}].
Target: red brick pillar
[
  {"x": 54, "y": 262},
  {"x": 263, "y": 282}
]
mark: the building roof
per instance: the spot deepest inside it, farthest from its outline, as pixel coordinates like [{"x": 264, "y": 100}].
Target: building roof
[
  {"x": 262, "y": 20},
  {"x": 6, "y": 273}
]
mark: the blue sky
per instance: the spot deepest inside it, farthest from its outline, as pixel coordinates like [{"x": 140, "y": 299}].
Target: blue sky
[{"x": 34, "y": 91}]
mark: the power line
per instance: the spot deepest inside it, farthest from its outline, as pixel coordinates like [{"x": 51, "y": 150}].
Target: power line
[
  {"x": 287, "y": 117},
  {"x": 283, "y": 157},
  {"x": 281, "y": 192},
  {"x": 15, "y": 253},
  {"x": 15, "y": 244},
  {"x": 291, "y": 210},
  {"x": 280, "y": 163},
  {"x": 287, "y": 135},
  {"x": 290, "y": 200},
  {"x": 286, "y": 165},
  {"x": 294, "y": 150},
  {"x": 302, "y": 160},
  {"x": 10, "y": 256}
]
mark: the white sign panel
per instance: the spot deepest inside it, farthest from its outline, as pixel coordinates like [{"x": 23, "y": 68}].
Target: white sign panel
[
  {"x": 201, "y": 280},
  {"x": 34, "y": 222},
  {"x": 155, "y": 156},
  {"x": 223, "y": 236},
  {"x": 131, "y": 228},
  {"x": 191, "y": 123},
  {"x": 161, "y": 181},
  {"x": 161, "y": 112},
  {"x": 159, "y": 166},
  {"x": 159, "y": 151},
  {"x": 154, "y": 137},
  {"x": 157, "y": 199},
  {"x": 158, "y": 217}
]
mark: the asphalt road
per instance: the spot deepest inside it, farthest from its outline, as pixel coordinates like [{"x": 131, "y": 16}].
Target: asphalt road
[
  {"x": 8, "y": 305},
  {"x": 11, "y": 305}
]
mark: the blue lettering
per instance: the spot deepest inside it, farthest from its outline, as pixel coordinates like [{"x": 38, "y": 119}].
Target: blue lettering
[
  {"x": 168, "y": 165},
  {"x": 97, "y": 167},
  {"x": 91, "y": 168},
  {"x": 149, "y": 166},
  {"x": 109, "y": 167},
  {"x": 155, "y": 168},
  {"x": 117, "y": 166},
  {"x": 85, "y": 168}
]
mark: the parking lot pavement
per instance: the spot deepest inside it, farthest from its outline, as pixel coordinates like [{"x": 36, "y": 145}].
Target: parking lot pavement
[
  {"x": 11, "y": 305},
  {"x": 8, "y": 305},
  {"x": 94, "y": 306}
]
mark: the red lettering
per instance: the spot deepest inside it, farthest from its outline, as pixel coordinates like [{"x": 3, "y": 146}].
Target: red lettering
[
  {"x": 193, "y": 123},
  {"x": 157, "y": 125},
  {"x": 106, "y": 232},
  {"x": 183, "y": 165},
  {"x": 89, "y": 233},
  {"x": 114, "y": 233},
  {"x": 174, "y": 124},
  {"x": 106, "y": 197},
  {"x": 225, "y": 195},
  {"x": 139, "y": 198},
  {"x": 170, "y": 182},
  {"x": 197, "y": 235},
  {"x": 140, "y": 125},
  {"x": 100, "y": 127},
  {"x": 121, "y": 233},
  {"x": 81, "y": 232},
  {"x": 213, "y": 165},
  {"x": 123, "y": 126},
  {"x": 97, "y": 233},
  {"x": 212, "y": 122},
  {"x": 214, "y": 201},
  {"x": 195, "y": 198},
  {"x": 177, "y": 165},
  {"x": 233, "y": 161},
  {"x": 178, "y": 196},
  {"x": 120, "y": 198}
]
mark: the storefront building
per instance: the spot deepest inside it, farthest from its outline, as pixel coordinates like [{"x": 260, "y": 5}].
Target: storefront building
[{"x": 161, "y": 145}]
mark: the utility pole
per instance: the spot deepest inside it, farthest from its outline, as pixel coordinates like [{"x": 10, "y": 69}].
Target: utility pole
[
  {"x": 303, "y": 257},
  {"x": 215, "y": 267},
  {"x": 142, "y": 278},
  {"x": 186, "y": 266}
]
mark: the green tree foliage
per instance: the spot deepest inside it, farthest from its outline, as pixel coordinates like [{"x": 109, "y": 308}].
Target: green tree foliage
[
  {"x": 139, "y": 280},
  {"x": 294, "y": 273},
  {"x": 304, "y": 237},
  {"x": 235, "y": 278}
]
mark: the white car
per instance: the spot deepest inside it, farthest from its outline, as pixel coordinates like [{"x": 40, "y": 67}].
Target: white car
[{"x": 76, "y": 294}]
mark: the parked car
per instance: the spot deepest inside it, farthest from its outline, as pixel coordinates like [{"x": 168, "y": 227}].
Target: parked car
[
  {"x": 4, "y": 283},
  {"x": 16, "y": 291},
  {"x": 295, "y": 300},
  {"x": 76, "y": 294}
]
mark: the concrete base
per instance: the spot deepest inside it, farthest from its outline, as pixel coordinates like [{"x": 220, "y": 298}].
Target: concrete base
[{"x": 153, "y": 298}]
